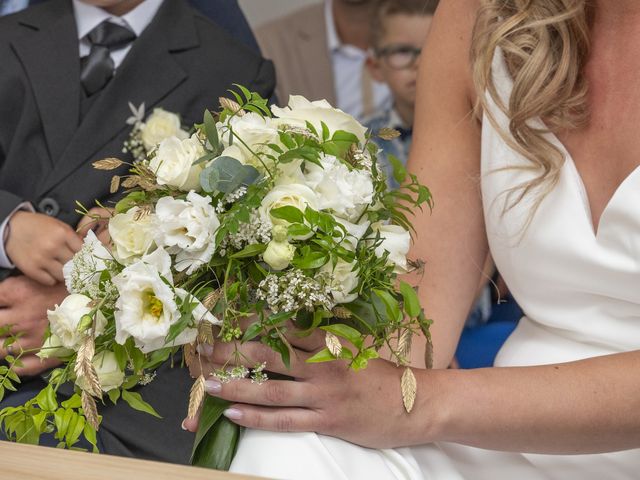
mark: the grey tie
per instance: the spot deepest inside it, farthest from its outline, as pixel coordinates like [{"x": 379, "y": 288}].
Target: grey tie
[{"x": 98, "y": 66}]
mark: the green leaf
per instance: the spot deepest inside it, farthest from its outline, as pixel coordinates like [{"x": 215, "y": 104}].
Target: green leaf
[
  {"x": 288, "y": 213},
  {"x": 226, "y": 174},
  {"x": 311, "y": 261},
  {"x": 252, "y": 332},
  {"x": 114, "y": 395},
  {"x": 211, "y": 131},
  {"x": 325, "y": 132},
  {"x": 346, "y": 332},
  {"x": 399, "y": 170},
  {"x": 212, "y": 409},
  {"x": 299, "y": 230},
  {"x": 74, "y": 402},
  {"x": 250, "y": 251},
  {"x": 132, "y": 199},
  {"x": 217, "y": 448},
  {"x": 411, "y": 302},
  {"x": 39, "y": 420},
  {"x": 47, "y": 399},
  {"x": 136, "y": 402},
  {"x": 390, "y": 303},
  {"x": 177, "y": 328},
  {"x": 90, "y": 435},
  {"x": 323, "y": 355},
  {"x": 207, "y": 157}
]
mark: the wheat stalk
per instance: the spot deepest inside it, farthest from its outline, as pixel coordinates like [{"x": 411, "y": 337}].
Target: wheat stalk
[
  {"x": 196, "y": 397},
  {"x": 231, "y": 105},
  {"x": 205, "y": 332},
  {"x": 409, "y": 388},
  {"x": 107, "y": 164},
  {"x": 388, "y": 133},
  {"x": 131, "y": 181},
  {"x": 90, "y": 410},
  {"x": 115, "y": 184},
  {"x": 341, "y": 313},
  {"x": 333, "y": 344},
  {"x": 84, "y": 367},
  {"x": 404, "y": 346}
]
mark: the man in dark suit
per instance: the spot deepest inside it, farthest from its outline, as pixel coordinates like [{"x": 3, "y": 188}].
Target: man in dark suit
[
  {"x": 57, "y": 116},
  {"x": 226, "y": 13}
]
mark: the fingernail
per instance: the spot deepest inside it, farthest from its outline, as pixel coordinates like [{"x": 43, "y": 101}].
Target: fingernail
[
  {"x": 204, "y": 349},
  {"x": 182, "y": 425},
  {"x": 212, "y": 386},
  {"x": 232, "y": 414}
]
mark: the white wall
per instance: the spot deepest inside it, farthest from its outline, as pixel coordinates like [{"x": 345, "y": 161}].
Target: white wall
[{"x": 260, "y": 11}]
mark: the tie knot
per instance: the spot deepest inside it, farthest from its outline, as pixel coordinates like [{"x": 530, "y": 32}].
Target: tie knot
[{"x": 111, "y": 36}]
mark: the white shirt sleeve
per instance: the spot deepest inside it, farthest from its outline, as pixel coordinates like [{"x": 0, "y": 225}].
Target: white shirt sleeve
[{"x": 4, "y": 260}]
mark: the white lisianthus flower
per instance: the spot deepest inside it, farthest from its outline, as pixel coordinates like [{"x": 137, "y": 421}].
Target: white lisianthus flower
[
  {"x": 343, "y": 279},
  {"x": 300, "y": 110},
  {"x": 347, "y": 193},
  {"x": 255, "y": 131},
  {"x": 289, "y": 173},
  {"x": 187, "y": 228},
  {"x": 109, "y": 373},
  {"x": 159, "y": 126},
  {"x": 147, "y": 307},
  {"x": 53, "y": 348},
  {"x": 131, "y": 238},
  {"x": 173, "y": 163},
  {"x": 396, "y": 240},
  {"x": 65, "y": 318},
  {"x": 82, "y": 272},
  {"x": 294, "y": 195}
]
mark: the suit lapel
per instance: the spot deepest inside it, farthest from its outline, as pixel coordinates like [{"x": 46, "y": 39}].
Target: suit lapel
[
  {"x": 148, "y": 74},
  {"x": 315, "y": 56},
  {"x": 49, "y": 53}
]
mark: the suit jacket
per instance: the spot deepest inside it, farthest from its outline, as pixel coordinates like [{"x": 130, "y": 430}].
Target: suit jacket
[
  {"x": 297, "y": 45},
  {"x": 181, "y": 62},
  {"x": 229, "y": 15}
]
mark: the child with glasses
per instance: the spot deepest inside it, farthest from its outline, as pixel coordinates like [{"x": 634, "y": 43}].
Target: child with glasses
[{"x": 398, "y": 29}]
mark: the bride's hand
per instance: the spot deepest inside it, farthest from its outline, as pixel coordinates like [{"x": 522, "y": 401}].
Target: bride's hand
[{"x": 363, "y": 407}]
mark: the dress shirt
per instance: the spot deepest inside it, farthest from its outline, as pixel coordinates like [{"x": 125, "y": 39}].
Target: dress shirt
[
  {"x": 348, "y": 63},
  {"x": 12, "y": 6},
  {"x": 87, "y": 18}
]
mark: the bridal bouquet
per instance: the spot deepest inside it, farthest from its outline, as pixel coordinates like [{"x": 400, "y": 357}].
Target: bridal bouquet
[{"x": 273, "y": 218}]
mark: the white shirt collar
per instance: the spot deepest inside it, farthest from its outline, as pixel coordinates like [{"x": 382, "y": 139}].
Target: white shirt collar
[
  {"x": 333, "y": 42},
  {"x": 88, "y": 16}
]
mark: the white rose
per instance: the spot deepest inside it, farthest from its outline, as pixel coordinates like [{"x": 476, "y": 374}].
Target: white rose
[
  {"x": 395, "y": 240},
  {"x": 86, "y": 266},
  {"x": 174, "y": 160},
  {"x": 347, "y": 193},
  {"x": 53, "y": 348},
  {"x": 109, "y": 374},
  {"x": 159, "y": 126},
  {"x": 294, "y": 195},
  {"x": 132, "y": 238},
  {"x": 255, "y": 131},
  {"x": 65, "y": 318},
  {"x": 355, "y": 231},
  {"x": 300, "y": 110},
  {"x": 188, "y": 228},
  {"x": 343, "y": 278},
  {"x": 278, "y": 255},
  {"x": 289, "y": 173}
]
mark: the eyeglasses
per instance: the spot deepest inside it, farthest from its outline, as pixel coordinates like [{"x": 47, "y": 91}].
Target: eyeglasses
[{"x": 399, "y": 56}]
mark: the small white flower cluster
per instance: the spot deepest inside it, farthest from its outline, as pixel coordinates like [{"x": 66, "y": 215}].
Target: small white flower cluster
[
  {"x": 293, "y": 291},
  {"x": 256, "y": 374},
  {"x": 82, "y": 274},
  {"x": 231, "y": 198},
  {"x": 134, "y": 143},
  {"x": 256, "y": 230}
]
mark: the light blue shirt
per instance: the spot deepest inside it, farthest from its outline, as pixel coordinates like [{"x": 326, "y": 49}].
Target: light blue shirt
[{"x": 12, "y": 6}]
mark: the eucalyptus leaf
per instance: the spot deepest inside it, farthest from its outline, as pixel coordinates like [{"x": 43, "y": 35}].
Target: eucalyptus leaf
[{"x": 211, "y": 131}]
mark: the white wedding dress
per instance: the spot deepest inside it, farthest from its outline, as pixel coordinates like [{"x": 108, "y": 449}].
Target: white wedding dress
[{"x": 580, "y": 291}]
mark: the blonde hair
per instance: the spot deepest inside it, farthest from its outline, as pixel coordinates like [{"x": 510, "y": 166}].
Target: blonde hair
[{"x": 545, "y": 44}]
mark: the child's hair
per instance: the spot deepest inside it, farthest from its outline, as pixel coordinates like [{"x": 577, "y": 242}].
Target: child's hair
[{"x": 386, "y": 8}]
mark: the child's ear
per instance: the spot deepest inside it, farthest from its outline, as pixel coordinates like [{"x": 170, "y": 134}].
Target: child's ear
[{"x": 373, "y": 64}]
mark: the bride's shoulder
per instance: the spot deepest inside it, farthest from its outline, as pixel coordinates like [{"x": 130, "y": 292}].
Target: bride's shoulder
[{"x": 450, "y": 38}]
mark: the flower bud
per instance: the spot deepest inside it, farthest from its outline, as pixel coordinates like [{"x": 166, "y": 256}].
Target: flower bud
[
  {"x": 279, "y": 233},
  {"x": 86, "y": 321},
  {"x": 278, "y": 255}
]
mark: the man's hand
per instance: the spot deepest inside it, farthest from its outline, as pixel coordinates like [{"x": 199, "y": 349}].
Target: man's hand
[
  {"x": 40, "y": 245},
  {"x": 96, "y": 219},
  {"x": 23, "y": 305}
]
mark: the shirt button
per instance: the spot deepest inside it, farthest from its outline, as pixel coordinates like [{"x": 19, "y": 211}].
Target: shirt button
[{"x": 49, "y": 206}]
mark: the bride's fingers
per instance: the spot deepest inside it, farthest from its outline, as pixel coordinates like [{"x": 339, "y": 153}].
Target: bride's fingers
[
  {"x": 309, "y": 343},
  {"x": 274, "y": 419},
  {"x": 272, "y": 393},
  {"x": 255, "y": 353}
]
